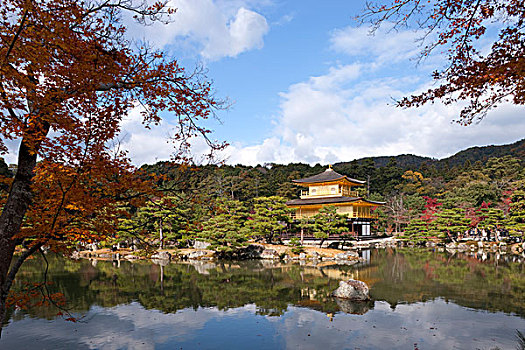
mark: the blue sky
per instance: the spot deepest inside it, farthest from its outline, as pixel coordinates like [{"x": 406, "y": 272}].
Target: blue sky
[{"x": 308, "y": 85}]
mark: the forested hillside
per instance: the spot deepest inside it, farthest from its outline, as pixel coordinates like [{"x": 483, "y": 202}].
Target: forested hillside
[
  {"x": 482, "y": 154},
  {"x": 482, "y": 187},
  {"x": 479, "y": 188},
  {"x": 472, "y": 155},
  {"x": 383, "y": 174}
]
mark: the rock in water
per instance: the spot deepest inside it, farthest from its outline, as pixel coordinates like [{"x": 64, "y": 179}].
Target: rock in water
[{"x": 352, "y": 290}]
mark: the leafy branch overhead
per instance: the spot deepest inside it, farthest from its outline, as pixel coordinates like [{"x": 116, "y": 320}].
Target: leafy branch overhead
[
  {"x": 68, "y": 77},
  {"x": 484, "y": 77}
]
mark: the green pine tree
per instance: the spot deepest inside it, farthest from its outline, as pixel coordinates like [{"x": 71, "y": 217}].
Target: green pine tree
[
  {"x": 327, "y": 222},
  {"x": 225, "y": 230},
  {"x": 270, "y": 217}
]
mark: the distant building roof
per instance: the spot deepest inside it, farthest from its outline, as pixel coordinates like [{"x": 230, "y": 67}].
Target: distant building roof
[
  {"x": 330, "y": 200},
  {"x": 328, "y": 175}
]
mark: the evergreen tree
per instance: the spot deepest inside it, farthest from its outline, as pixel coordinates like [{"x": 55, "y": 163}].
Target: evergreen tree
[
  {"x": 225, "y": 230},
  {"x": 420, "y": 230},
  {"x": 270, "y": 216},
  {"x": 516, "y": 219},
  {"x": 327, "y": 222},
  {"x": 491, "y": 218},
  {"x": 451, "y": 222}
]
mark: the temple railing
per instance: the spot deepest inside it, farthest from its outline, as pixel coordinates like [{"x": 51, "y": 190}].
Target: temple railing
[
  {"x": 297, "y": 216},
  {"x": 308, "y": 194},
  {"x": 310, "y": 236}
]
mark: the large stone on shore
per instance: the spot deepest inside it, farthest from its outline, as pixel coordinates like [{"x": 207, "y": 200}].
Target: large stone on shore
[
  {"x": 161, "y": 256},
  {"x": 350, "y": 255},
  {"x": 363, "y": 245},
  {"x": 352, "y": 290},
  {"x": 200, "y": 245},
  {"x": 198, "y": 254},
  {"x": 252, "y": 251},
  {"x": 315, "y": 255},
  {"x": 269, "y": 253}
]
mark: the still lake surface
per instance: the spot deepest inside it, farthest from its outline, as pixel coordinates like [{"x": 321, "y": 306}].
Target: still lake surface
[{"x": 422, "y": 299}]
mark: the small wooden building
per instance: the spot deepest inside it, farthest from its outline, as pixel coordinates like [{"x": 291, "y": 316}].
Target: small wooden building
[{"x": 332, "y": 188}]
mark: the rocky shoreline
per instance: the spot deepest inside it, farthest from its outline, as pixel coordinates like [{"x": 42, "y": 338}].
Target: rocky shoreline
[
  {"x": 252, "y": 251},
  {"x": 477, "y": 246},
  {"x": 288, "y": 254}
]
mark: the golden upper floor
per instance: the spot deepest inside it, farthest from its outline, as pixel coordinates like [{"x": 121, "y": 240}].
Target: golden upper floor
[{"x": 328, "y": 184}]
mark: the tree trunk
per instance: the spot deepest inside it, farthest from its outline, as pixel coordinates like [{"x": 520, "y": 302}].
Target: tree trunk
[
  {"x": 161, "y": 236},
  {"x": 13, "y": 213}
]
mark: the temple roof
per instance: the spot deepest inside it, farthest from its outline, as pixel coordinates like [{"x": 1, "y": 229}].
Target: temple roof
[
  {"x": 329, "y": 175},
  {"x": 330, "y": 200}
]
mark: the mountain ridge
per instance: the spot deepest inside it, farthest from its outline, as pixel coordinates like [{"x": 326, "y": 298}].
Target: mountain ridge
[{"x": 472, "y": 154}]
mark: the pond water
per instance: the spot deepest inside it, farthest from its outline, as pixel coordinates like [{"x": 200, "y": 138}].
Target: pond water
[{"x": 421, "y": 300}]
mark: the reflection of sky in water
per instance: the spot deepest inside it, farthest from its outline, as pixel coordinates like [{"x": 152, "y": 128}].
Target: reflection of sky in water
[{"x": 430, "y": 325}]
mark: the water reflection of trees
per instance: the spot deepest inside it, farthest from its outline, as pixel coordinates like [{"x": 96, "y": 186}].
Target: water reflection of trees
[
  {"x": 178, "y": 286},
  {"x": 408, "y": 276},
  {"x": 402, "y": 276}
]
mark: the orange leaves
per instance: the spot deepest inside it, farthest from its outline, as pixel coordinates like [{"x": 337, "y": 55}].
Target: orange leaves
[
  {"x": 68, "y": 78},
  {"x": 35, "y": 295},
  {"x": 76, "y": 204}
]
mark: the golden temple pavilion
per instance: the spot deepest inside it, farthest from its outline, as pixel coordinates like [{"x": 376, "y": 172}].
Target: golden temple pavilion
[{"x": 332, "y": 188}]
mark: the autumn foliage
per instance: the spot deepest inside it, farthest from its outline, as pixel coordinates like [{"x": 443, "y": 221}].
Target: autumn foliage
[
  {"x": 68, "y": 77},
  {"x": 485, "y": 44}
]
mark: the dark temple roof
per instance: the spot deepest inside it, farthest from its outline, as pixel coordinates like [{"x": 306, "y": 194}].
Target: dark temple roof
[
  {"x": 329, "y": 200},
  {"x": 327, "y": 176}
]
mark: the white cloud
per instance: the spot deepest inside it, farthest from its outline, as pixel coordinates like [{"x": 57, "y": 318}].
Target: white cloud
[
  {"x": 126, "y": 326},
  {"x": 214, "y": 29},
  {"x": 149, "y": 145},
  {"x": 349, "y": 112},
  {"x": 436, "y": 324},
  {"x": 284, "y": 19},
  {"x": 12, "y": 156},
  {"x": 244, "y": 32},
  {"x": 145, "y": 145},
  {"x": 326, "y": 123},
  {"x": 386, "y": 44}
]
